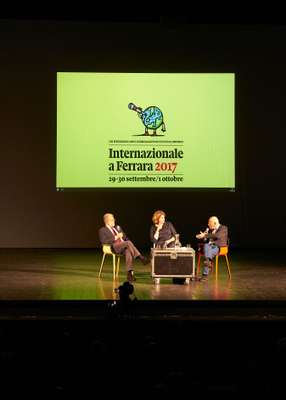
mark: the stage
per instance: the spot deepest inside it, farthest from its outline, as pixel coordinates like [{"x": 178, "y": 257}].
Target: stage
[{"x": 69, "y": 274}]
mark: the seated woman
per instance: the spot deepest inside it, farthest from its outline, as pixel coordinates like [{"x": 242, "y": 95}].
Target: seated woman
[{"x": 162, "y": 233}]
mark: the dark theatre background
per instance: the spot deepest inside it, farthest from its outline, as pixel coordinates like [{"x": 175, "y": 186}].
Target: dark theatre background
[{"x": 207, "y": 348}]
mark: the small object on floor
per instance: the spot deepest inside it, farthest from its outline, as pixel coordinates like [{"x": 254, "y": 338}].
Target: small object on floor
[
  {"x": 203, "y": 278},
  {"x": 131, "y": 276},
  {"x": 179, "y": 281}
]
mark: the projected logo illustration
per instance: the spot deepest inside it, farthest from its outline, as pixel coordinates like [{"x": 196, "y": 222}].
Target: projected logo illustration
[{"x": 152, "y": 118}]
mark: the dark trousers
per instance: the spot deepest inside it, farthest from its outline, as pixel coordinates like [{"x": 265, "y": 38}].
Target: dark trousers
[{"x": 129, "y": 250}]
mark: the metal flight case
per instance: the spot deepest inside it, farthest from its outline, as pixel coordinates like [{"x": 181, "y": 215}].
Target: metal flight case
[{"x": 173, "y": 263}]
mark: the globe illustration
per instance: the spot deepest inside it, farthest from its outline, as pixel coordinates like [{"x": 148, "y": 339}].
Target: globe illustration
[{"x": 152, "y": 117}]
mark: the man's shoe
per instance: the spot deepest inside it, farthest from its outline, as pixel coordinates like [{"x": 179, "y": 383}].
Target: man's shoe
[
  {"x": 131, "y": 276},
  {"x": 144, "y": 260},
  {"x": 203, "y": 278}
]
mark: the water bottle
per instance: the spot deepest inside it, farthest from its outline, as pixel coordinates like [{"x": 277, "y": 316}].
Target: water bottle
[{"x": 177, "y": 241}]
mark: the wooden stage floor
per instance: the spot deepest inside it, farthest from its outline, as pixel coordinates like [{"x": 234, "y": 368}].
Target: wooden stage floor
[{"x": 70, "y": 274}]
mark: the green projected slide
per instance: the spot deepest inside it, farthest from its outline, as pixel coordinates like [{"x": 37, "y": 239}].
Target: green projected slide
[{"x": 145, "y": 130}]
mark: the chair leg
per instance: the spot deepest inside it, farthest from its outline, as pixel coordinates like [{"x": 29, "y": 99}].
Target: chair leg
[
  {"x": 199, "y": 264},
  {"x": 103, "y": 257},
  {"x": 228, "y": 266},
  {"x": 114, "y": 265},
  {"x": 118, "y": 264},
  {"x": 216, "y": 267}
]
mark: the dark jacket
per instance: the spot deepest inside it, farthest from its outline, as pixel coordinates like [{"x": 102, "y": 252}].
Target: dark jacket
[
  {"x": 106, "y": 236},
  {"x": 220, "y": 238},
  {"x": 167, "y": 232}
]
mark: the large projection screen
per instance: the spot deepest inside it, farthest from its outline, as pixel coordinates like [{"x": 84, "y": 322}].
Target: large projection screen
[{"x": 145, "y": 130}]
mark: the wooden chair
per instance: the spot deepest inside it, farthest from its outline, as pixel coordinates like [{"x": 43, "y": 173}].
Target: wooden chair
[
  {"x": 107, "y": 251},
  {"x": 223, "y": 251}
]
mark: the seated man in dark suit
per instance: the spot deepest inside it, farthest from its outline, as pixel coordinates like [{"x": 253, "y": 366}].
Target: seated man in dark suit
[
  {"x": 214, "y": 237},
  {"x": 109, "y": 234}
]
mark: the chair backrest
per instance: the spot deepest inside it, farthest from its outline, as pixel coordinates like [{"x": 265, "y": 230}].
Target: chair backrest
[
  {"x": 224, "y": 249},
  {"x": 106, "y": 248}
]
